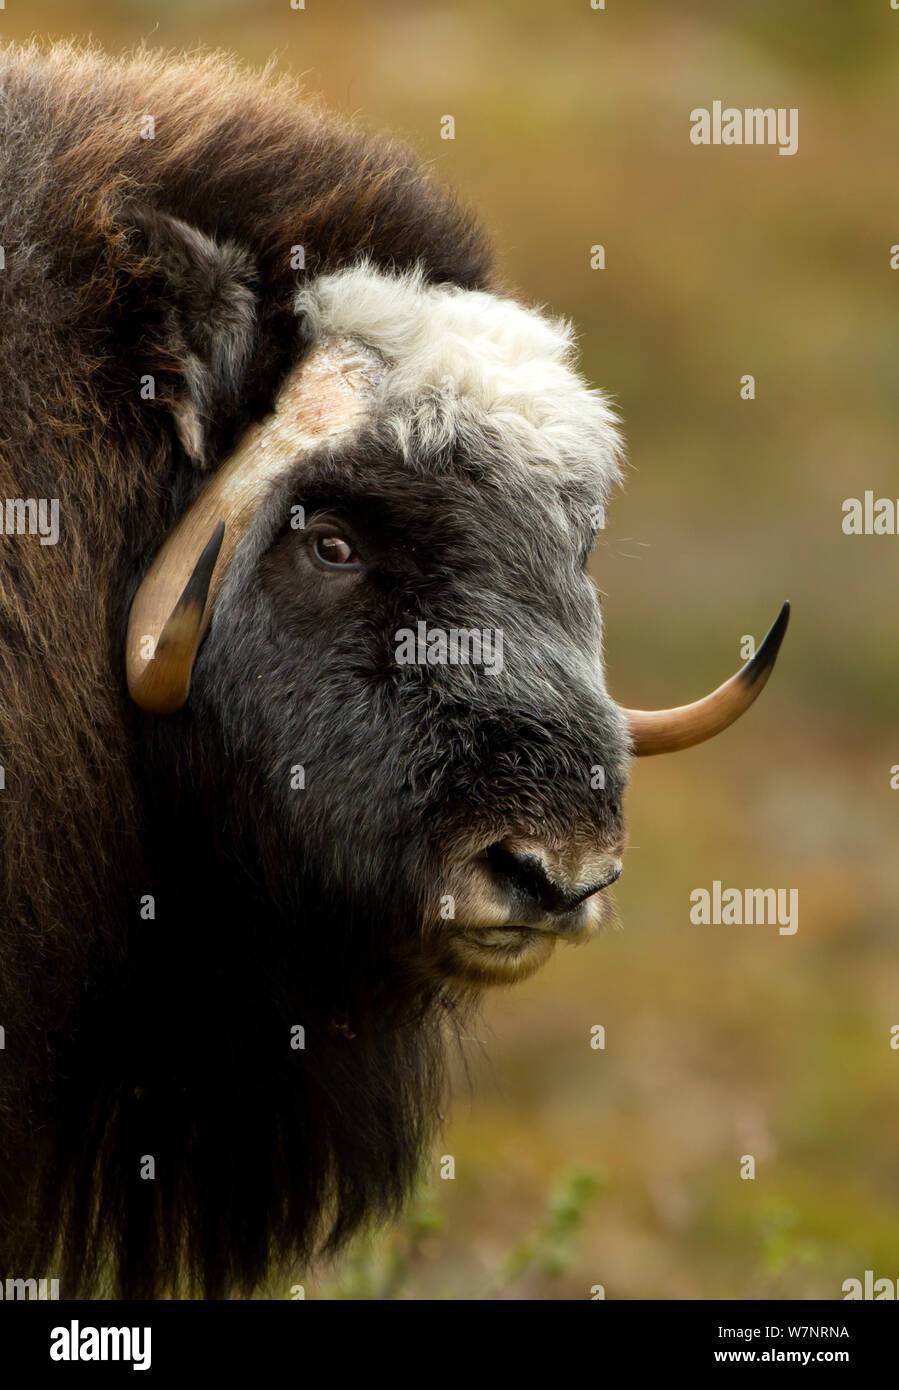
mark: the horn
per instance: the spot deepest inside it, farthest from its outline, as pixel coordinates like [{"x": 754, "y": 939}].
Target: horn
[
  {"x": 322, "y": 401},
  {"x": 163, "y": 684},
  {"x": 668, "y": 730}
]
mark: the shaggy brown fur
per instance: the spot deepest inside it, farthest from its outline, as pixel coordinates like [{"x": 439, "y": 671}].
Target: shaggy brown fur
[{"x": 86, "y": 309}]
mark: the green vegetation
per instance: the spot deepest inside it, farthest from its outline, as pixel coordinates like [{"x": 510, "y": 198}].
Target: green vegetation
[{"x": 393, "y": 1267}]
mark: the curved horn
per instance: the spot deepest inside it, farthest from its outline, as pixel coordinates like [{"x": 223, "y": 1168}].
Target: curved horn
[
  {"x": 163, "y": 683},
  {"x": 668, "y": 730},
  {"x": 322, "y": 401}
]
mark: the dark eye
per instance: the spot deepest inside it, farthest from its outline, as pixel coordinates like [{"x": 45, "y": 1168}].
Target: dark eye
[{"x": 335, "y": 553}]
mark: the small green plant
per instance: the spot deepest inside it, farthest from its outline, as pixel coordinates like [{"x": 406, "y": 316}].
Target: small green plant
[
  {"x": 548, "y": 1253},
  {"x": 381, "y": 1268},
  {"x": 782, "y": 1244},
  {"x": 387, "y": 1266}
]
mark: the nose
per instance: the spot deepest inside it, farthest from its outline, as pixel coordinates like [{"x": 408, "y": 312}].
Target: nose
[{"x": 546, "y": 882}]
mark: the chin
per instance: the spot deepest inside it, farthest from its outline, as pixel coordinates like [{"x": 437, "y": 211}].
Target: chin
[{"x": 495, "y": 956}]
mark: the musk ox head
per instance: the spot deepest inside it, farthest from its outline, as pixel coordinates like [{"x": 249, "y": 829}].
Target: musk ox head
[
  {"x": 378, "y": 614},
  {"x": 369, "y": 763}
]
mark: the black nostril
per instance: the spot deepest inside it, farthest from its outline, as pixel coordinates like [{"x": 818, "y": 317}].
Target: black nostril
[{"x": 527, "y": 875}]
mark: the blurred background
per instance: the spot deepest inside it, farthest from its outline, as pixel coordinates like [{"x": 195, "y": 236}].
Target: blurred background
[{"x": 578, "y": 1166}]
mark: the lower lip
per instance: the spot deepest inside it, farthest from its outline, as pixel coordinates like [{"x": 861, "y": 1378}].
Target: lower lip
[{"x": 501, "y": 938}]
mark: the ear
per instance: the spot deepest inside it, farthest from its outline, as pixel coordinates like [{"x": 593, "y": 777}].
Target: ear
[{"x": 201, "y": 321}]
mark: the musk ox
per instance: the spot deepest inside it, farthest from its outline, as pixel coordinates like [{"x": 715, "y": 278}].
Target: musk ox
[{"x": 303, "y": 722}]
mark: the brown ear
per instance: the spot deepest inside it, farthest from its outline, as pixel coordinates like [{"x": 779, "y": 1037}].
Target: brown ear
[{"x": 199, "y": 321}]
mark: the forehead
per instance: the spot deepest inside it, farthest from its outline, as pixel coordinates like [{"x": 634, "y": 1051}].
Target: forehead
[
  {"x": 457, "y": 511},
  {"x": 473, "y": 384}
]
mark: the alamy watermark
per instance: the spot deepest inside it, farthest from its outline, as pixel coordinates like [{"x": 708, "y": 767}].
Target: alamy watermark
[
  {"x": 82, "y": 1342},
  {"x": 40, "y": 1289},
  {"x": 870, "y": 1288},
  {"x": 752, "y": 125},
  {"x": 870, "y": 515},
  {"x": 746, "y": 907},
  {"x": 454, "y": 646},
  {"x": 30, "y": 516}
]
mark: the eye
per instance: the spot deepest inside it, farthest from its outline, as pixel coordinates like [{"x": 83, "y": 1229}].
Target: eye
[{"x": 334, "y": 552}]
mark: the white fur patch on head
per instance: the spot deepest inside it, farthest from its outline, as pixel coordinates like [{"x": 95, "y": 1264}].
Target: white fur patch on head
[{"x": 470, "y": 369}]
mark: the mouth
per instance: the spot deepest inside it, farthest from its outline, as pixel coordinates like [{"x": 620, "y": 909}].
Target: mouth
[
  {"x": 515, "y": 937},
  {"x": 513, "y": 899},
  {"x": 504, "y": 954},
  {"x": 498, "y": 955}
]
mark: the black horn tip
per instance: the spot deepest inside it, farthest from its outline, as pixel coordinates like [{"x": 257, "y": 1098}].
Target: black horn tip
[
  {"x": 197, "y": 587},
  {"x": 182, "y": 627},
  {"x": 765, "y": 657}
]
